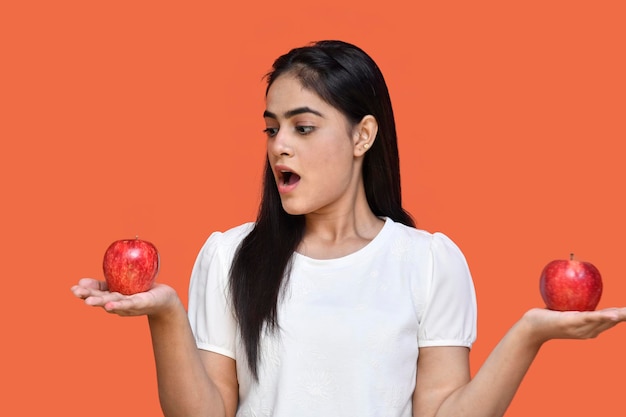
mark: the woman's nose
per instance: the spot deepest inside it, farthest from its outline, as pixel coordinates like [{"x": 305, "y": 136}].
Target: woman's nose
[{"x": 280, "y": 144}]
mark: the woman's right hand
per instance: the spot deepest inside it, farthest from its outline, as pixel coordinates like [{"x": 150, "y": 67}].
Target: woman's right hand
[{"x": 150, "y": 303}]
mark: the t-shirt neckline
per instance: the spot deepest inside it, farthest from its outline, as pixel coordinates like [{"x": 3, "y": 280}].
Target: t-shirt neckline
[{"x": 350, "y": 258}]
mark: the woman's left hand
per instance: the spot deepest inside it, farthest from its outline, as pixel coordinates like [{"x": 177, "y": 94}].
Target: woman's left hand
[{"x": 549, "y": 324}]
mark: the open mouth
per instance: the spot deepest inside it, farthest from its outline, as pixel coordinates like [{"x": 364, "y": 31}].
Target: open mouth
[{"x": 289, "y": 178}]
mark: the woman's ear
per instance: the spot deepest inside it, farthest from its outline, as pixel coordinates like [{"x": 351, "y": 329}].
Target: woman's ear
[{"x": 365, "y": 134}]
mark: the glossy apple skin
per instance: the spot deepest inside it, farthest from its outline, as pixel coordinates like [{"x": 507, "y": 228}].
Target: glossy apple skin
[
  {"x": 570, "y": 285},
  {"x": 130, "y": 266}
]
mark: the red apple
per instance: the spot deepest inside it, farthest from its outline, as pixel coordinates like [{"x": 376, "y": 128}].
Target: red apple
[
  {"x": 130, "y": 266},
  {"x": 570, "y": 285}
]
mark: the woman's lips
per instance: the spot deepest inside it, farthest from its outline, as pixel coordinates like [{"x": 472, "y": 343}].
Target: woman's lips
[{"x": 286, "y": 179}]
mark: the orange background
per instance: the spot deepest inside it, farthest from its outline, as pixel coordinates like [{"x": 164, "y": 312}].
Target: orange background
[{"x": 120, "y": 118}]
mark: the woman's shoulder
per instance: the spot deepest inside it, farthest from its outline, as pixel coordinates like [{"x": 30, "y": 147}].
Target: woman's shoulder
[
  {"x": 412, "y": 232},
  {"x": 236, "y": 233},
  {"x": 420, "y": 237},
  {"x": 228, "y": 239}
]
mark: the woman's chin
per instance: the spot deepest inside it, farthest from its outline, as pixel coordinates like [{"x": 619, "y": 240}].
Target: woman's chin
[{"x": 293, "y": 209}]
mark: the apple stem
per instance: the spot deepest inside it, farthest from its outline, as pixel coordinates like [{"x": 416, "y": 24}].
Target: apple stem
[
  {"x": 571, "y": 256},
  {"x": 137, "y": 238}
]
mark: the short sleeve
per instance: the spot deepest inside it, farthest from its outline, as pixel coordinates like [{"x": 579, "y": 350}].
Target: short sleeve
[
  {"x": 209, "y": 309},
  {"x": 449, "y": 316}
]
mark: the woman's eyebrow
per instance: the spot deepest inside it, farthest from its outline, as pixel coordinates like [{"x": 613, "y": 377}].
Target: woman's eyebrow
[{"x": 292, "y": 113}]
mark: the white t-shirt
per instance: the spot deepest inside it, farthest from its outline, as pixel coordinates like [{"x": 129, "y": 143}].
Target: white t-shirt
[{"x": 350, "y": 328}]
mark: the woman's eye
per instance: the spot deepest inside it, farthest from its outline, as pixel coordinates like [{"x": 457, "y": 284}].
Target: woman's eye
[
  {"x": 304, "y": 130},
  {"x": 271, "y": 131}
]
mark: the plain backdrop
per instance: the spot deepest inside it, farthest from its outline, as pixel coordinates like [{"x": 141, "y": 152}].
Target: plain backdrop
[{"x": 124, "y": 118}]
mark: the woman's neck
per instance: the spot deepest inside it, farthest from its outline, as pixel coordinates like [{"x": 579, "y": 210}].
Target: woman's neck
[{"x": 334, "y": 236}]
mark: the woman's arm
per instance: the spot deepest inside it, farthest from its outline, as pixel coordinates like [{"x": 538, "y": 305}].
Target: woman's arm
[
  {"x": 443, "y": 387},
  {"x": 191, "y": 382}
]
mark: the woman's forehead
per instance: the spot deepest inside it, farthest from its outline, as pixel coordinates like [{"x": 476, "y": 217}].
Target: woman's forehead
[{"x": 287, "y": 93}]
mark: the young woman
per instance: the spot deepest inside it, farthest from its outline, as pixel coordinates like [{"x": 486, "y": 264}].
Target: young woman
[{"x": 332, "y": 303}]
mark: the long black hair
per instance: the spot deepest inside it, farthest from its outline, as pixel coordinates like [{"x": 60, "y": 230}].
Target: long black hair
[{"x": 348, "y": 79}]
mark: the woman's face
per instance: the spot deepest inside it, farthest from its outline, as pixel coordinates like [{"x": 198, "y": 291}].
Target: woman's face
[{"x": 311, "y": 149}]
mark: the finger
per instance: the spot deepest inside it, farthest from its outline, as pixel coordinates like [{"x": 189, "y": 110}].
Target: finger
[
  {"x": 123, "y": 307},
  {"x": 617, "y": 314},
  {"x": 608, "y": 315},
  {"x": 86, "y": 293},
  {"x": 87, "y": 287},
  {"x": 594, "y": 328},
  {"x": 79, "y": 291},
  {"x": 93, "y": 284},
  {"x": 100, "y": 298}
]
